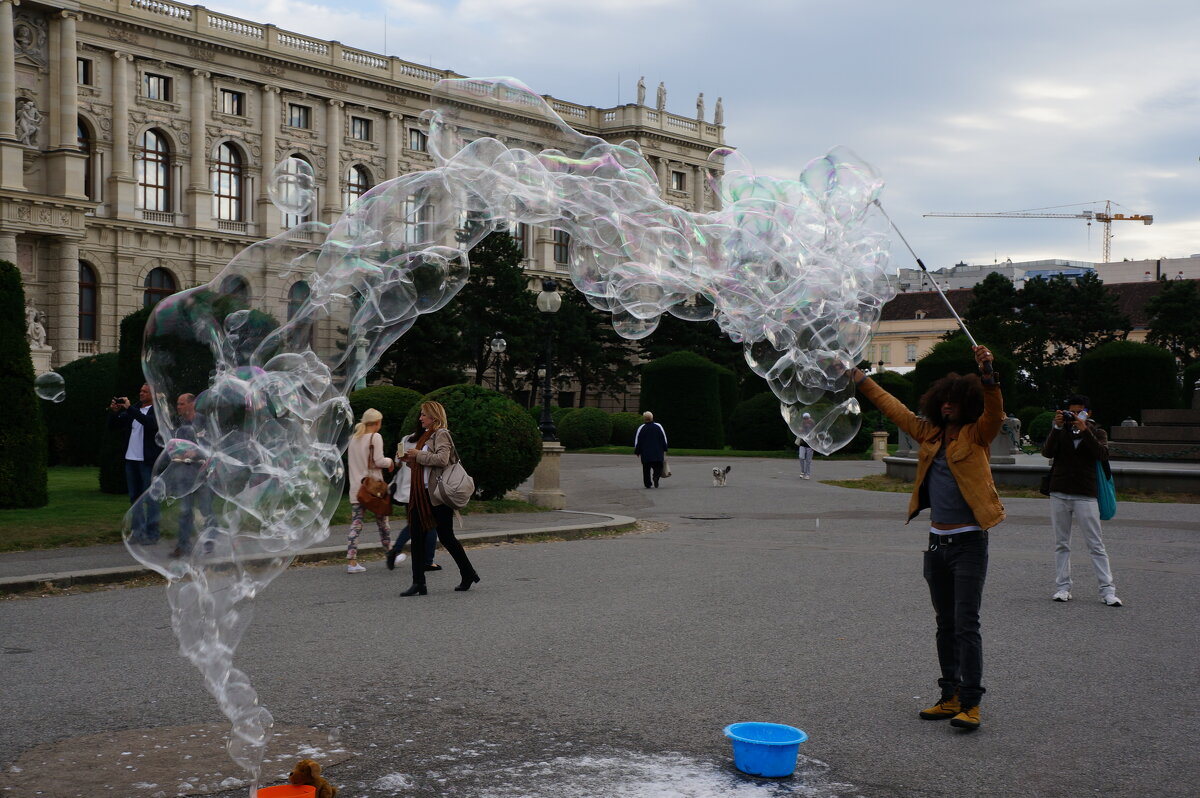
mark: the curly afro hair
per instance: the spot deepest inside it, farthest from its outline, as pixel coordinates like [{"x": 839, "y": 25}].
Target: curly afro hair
[{"x": 966, "y": 392}]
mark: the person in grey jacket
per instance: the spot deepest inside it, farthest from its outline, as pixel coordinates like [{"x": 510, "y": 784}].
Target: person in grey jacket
[
  {"x": 650, "y": 444},
  {"x": 1076, "y": 444}
]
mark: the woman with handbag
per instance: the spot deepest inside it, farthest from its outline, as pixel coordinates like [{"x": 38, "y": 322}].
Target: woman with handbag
[
  {"x": 367, "y": 488},
  {"x": 401, "y": 485},
  {"x": 431, "y": 454}
]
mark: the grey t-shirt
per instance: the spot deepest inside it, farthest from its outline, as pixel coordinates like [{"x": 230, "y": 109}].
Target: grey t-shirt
[{"x": 947, "y": 505}]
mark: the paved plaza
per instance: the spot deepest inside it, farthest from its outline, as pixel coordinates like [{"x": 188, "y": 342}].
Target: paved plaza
[{"x": 608, "y": 666}]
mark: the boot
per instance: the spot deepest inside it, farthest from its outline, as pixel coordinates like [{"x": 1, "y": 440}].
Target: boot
[
  {"x": 943, "y": 709},
  {"x": 967, "y": 719}
]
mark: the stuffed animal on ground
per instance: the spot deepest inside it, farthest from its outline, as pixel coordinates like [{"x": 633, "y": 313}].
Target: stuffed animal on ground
[
  {"x": 308, "y": 772},
  {"x": 720, "y": 475}
]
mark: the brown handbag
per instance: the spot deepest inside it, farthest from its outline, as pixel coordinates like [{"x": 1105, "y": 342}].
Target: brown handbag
[{"x": 373, "y": 494}]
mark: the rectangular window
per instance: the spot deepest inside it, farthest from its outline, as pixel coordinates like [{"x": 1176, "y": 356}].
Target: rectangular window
[
  {"x": 233, "y": 102},
  {"x": 885, "y": 353},
  {"x": 562, "y": 247},
  {"x": 910, "y": 353},
  {"x": 417, "y": 140},
  {"x": 83, "y": 71},
  {"x": 158, "y": 87},
  {"x": 360, "y": 129},
  {"x": 520, "y": 233},
  {"x": 678, "y": 181},
  {"x": 299, "y": 116}
]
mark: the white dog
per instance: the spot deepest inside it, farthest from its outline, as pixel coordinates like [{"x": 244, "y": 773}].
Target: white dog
[{"x": 719, "y": 476}]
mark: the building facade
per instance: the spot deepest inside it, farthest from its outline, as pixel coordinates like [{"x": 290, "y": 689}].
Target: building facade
[{"x": 138, "y": 137}]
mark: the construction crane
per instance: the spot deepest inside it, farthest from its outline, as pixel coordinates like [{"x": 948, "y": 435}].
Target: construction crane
[{"x": 1106, "y": 216}]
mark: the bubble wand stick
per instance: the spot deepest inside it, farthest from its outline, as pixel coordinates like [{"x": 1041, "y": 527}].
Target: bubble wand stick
[{"x": 987, "y": 367}]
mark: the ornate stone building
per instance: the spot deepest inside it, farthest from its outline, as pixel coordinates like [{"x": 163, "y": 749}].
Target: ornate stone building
[{"x": 137, "y": 138}]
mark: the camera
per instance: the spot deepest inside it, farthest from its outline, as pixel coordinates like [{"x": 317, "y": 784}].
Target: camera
[{"x": 1068, "y": 417}]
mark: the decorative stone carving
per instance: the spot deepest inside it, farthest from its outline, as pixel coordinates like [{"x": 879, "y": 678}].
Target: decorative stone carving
[
  {"x": 661, "y": 101},
  {"x": 641, "y": 95},
  {"x": 35, "y": 327},
  {"x": 700, "y": 107},
  {"x": 719, "y": 113},
  {"x": 121, "y": 35},
  {"x": 29, "y": 36},
  {"x": 271, "y": 69},
  {"x": 29, "y": 121},
  {"x": 202, "y": 54}
]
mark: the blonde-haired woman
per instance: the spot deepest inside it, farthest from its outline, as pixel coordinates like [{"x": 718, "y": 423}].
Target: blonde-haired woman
[
  {"x": 433, "y": 451},
  {"x": 365, "y": 441}
]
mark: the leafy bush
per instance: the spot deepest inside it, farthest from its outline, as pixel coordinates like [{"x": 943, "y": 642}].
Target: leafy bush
[
  {"x": 1123, "y": 378},
  {"x": 556, "y": 413},
  {"x": 22, "y": 432},
  {"x": 624, "y": 427},
  {"x": 75, "y": 427},
  {"x": 683, "y": 390},
  {"x": 499, "y": 444},
  {"x": 758, "y": 425},
  {"x": 1039, "y": 428},
  {"x": 894, "y": 383},
  {"x": 394, "y": 402},
  {"x": 585, "y": 428},
  {"x": 1027, "y": 415}
]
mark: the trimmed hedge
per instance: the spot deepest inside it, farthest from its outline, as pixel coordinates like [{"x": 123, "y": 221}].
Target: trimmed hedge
[
  {"x": 1123, "y": 378},
  {"x": 22, "y": 431},
  {"x": 759, "y": 426},
  {"x": 76, "y": 426},
  {"x": 394, "y": 402},
  {"x": 683, "y": 390},
  {"x": 624, "y": 427},
  {"x": 585, "y": 428},
  {"x": 1039, "y": 427},
  {"x": 499, "y": 444}
]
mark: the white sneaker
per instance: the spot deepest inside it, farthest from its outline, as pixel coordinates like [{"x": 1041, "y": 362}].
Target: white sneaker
[
  {"x": 1061, "y": 595},
  {"x": 356, "y": 569},
  {"x": 401, "y": 557},
  {"x": 1112, "y": 601}
]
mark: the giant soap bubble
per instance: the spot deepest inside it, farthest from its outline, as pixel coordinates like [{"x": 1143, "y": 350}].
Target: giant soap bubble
[
  {"x": 794, "y": 270},
  {"x": 50, "y": 386}
]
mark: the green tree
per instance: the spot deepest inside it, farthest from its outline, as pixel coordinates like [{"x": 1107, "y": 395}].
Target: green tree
[
  {"x": 704, "y": 338},
  {"x": 1123, "y": 378},
  {"x": 22, "y": 431},
  {"x": 588, "y": 349},
  {"x": 990, "y": 317},
  {"x": 1174, "y": 320}
]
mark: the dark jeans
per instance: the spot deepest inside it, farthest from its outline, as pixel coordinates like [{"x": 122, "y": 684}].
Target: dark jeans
[
  {"x": 955, "y": 572},
  {"x": 430, "y": 543},
  {"x": 651, "y": 470},
  {"x": 145, "y": 512},
  {"x": 443, "y": 516}
]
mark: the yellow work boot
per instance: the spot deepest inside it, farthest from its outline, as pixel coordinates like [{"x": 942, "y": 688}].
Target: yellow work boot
[
  {"x": 946, "y": 708},
  {"x": 967, "y": 719}
]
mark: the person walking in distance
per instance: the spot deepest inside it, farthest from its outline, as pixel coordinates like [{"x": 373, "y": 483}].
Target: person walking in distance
[
  {"x": 1076, "y": 445},
  {"x": 650, "y": 444},
  {"x": 954, "y": 480},
  {"x": 805, "y": 451}
]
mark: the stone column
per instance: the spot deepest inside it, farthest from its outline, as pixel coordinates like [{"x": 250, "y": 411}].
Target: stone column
[
  {"x": 333, "y": 161},
  {"x": 698, "y": 188},
  {"x": 121, "y": 186},
  {"x": 663, "y": 185},
  {"x": 268, "y": 215},
  {"x": 8, "y": 247},
  {"x": 12, "y": 173},
  {"x": 199, "y": 192},
  {"x": 547, "y": 491},
  {"x": 879, "y": 445},
  {"x": 64, "y": 325},
  {"x": 65, "y": 164},
  {"x": 394, "y": 130}
]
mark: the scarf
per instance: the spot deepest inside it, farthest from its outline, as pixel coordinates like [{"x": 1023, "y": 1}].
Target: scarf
[{"x": 420, "y": 508}]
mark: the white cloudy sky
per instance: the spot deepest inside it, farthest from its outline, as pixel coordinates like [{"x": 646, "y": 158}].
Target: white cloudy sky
[{"x": 962, "y": 105}]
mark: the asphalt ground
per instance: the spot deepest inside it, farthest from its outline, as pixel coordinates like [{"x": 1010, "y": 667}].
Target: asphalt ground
[{"x": 609, "y": 666}]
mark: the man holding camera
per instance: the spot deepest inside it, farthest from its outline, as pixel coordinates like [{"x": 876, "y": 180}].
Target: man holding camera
[
  {"x": 1076, "y": 445},
  {"x": 140, "y": 429}
]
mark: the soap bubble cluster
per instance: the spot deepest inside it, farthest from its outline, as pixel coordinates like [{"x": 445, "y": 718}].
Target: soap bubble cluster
[
  {"x": 791, "y": 269},
  {"x": 50, "y": 386}
]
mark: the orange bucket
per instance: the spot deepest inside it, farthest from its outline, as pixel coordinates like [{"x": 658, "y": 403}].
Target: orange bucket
[{"x": 288, "y": 791}]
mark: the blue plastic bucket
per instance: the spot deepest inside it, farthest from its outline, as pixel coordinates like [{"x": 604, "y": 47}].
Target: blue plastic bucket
[{"x": 765, "y": 749}]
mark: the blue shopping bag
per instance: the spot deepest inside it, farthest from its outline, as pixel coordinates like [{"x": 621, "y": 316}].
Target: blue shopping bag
[{"x": 1106, "y": 491}]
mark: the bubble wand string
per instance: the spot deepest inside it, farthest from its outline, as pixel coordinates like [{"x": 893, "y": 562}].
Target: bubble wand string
[{"x": 987, "y": 366}]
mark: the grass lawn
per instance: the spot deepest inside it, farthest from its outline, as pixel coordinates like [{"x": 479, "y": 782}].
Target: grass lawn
[
  {"x": 78, "y": 514},
  {"x": 727, "y": 452},
  {"x": 886, "y": 484}
]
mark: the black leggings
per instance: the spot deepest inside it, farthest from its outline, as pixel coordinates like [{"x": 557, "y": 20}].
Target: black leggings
[{"x": 443, "y": 516}]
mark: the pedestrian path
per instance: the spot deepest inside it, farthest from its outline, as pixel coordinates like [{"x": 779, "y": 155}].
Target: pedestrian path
[{"x": 28, "y": 570}]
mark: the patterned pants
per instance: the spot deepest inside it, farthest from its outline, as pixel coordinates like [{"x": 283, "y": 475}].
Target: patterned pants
[{"x": 356, "y": 525}]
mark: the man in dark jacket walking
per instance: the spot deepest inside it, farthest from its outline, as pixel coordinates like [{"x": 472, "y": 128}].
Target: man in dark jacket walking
[
  {"x": 650, "y": 444},
  {"x": 1076, "y": 445}
]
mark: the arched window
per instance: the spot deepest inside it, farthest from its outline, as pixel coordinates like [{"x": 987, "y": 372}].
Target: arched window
[
  {"x": 154, "y": 172},
  {"x": 159, "y": 283},
  {"x": 358, "y": 182},
  {"x": 227, "y": 184},
  {"x": 292, "y": 194},
  {"x": 84, "y": 138},
  {"x": 88, "y": 301},
  {"x": 297, "y": 296},
  {"x": 236, "y": 287}
]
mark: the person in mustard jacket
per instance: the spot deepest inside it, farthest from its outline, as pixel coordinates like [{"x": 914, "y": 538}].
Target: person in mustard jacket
[{"x": 962, "y": 414}]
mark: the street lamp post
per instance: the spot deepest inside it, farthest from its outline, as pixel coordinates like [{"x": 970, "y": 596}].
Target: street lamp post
[
  {"x": 498, "y": 346},
  {"x": 879, "y": 420},
  {"x": 548, "y": 302}
]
